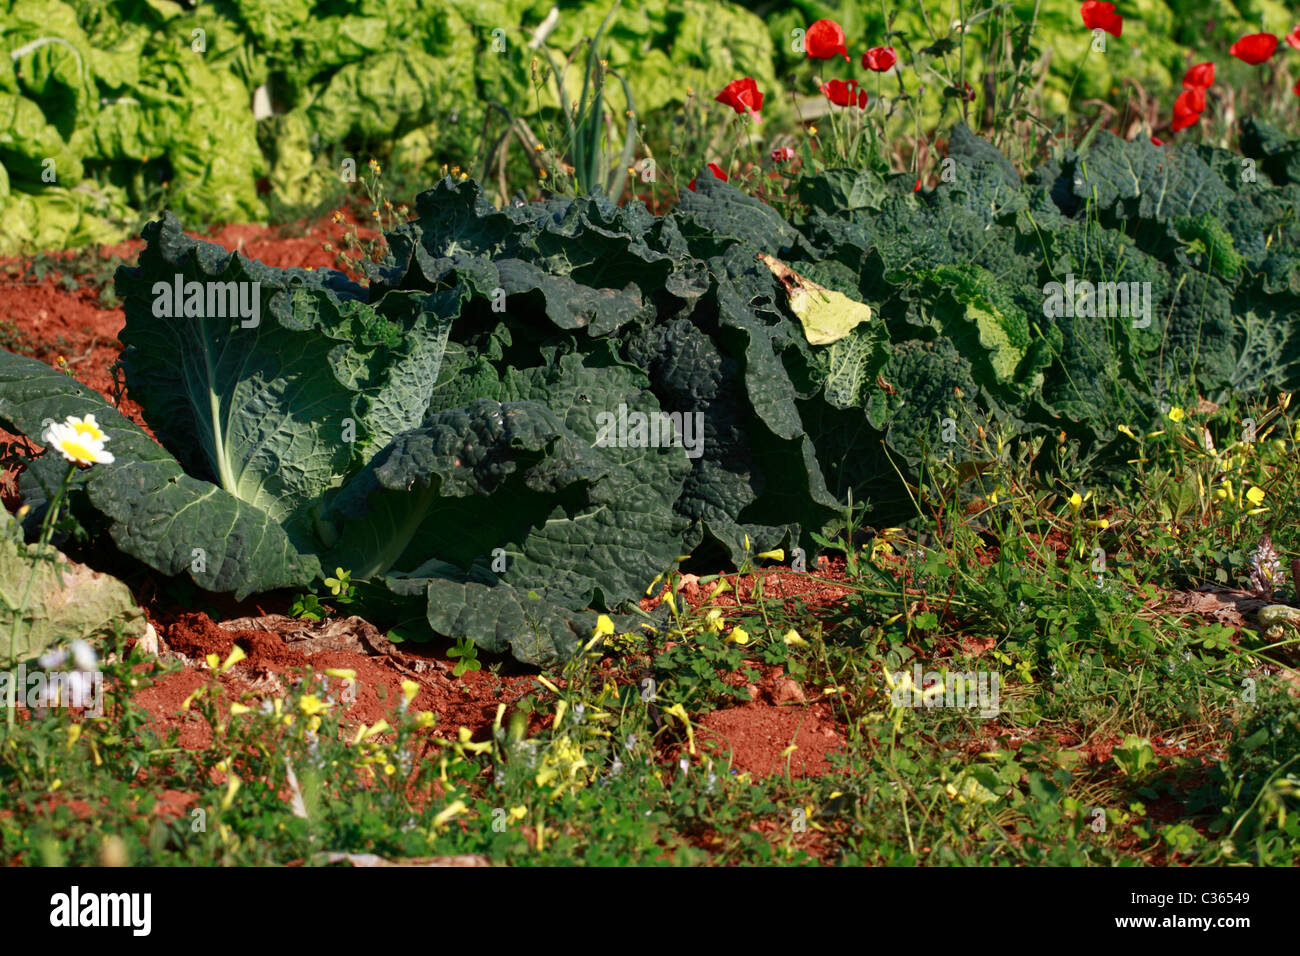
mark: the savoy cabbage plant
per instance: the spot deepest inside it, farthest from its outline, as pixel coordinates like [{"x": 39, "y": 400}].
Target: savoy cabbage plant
[{"x": 469, "y": 434}]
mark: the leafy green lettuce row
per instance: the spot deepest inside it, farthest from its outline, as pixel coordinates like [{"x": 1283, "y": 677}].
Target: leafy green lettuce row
[{"x": 113, "y": 91}]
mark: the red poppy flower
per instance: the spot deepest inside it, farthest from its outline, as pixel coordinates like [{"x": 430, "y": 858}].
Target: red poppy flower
[
  {"x": 841, "y": 92},
  {"x": 1102, "y": 16},
  {"x": 713, "y": 168},
  {"x": 1190, "y": 100},
  {"x": 1296, "y": 91},
  {"x": 1186, "y": 112},
  {"x": 1188, "y": 107},
  {"x": 1202, "y": 75},
  {"x": 1157, "y": 141},
  {"x": 742, "y": 96},
  {"x": 879, "y": 59},
  {"x": 862, "y": 99},
  {"x": 824, "y": 39},
  {"x": 782, "y": 154},
  {"x": 1254, "y": 48},
  {"x": 1293, "y": 39},
  {"x": 917, "y": 187}
]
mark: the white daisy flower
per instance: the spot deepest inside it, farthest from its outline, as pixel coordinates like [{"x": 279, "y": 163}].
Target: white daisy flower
[{"x": 75, "y": 443}]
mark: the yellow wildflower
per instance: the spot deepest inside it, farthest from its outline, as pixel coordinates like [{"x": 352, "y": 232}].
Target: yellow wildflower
[
  {"x": 547, "y": 684},
  {"x": 678, "y": 711},
  {"x": 312, "y": 705},
  {"x": 364, "y": 732},
  {"x": 234, "y": 657},
  {"x": 792, "y": 639},
  {"x": 463, "y": 737},
  {"x": 454, "y": 809},
  {"x": 232, "y": 788}
]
